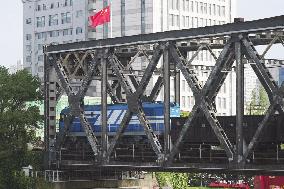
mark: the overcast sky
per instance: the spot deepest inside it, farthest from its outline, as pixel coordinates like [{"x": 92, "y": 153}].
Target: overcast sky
[{"x": 11, "y": 23}]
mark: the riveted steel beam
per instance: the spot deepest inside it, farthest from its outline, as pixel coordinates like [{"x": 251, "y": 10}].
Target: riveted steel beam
[
  {"x": 167, "y": 89},
  {"x": 239, "y": 102},
  {"x": 134, "y": 98},
  {"x": 202, "y": 94},
  {"x": 259, "y": 68},
  {"x": 273, "y": 23},
  {"x": 104, "y": 137}
]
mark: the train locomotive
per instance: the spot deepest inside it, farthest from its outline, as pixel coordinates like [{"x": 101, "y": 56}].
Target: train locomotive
[
  {"x": 200, "y": 139},
  {"x": 153, "y": 111}
]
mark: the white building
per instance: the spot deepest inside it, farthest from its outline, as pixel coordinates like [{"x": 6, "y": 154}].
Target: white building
[
  {"x": 14, "y": 68},
  {"x": 51, "y": 21},
  {"x": 61, "y": 21}
]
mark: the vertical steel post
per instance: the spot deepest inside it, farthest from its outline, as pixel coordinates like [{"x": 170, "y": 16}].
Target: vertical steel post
[
  {"x": 50, "y": 111},
  {"x": 177, "y": 87},
  {"x": 167, "y": 89},
  {"x": 239, "y": 101},
  {"x": 46, "y": 108},
  {"x": 105, "y": 26},
  {"x": 104, "y": 104}
]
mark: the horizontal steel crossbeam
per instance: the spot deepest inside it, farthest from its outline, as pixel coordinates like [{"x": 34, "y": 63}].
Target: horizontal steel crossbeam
[{"x": 273, "y": 23}]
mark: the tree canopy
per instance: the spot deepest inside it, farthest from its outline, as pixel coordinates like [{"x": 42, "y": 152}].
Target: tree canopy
[{"x": 18, "y": 122}]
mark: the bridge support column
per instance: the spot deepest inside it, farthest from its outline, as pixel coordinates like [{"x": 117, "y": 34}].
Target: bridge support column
[
  {"x": 104, "y": 107},
  {"x": 50, "y": 112},
  {"x": 167, "y": 90},
  {"x": 239, "y": 102}
]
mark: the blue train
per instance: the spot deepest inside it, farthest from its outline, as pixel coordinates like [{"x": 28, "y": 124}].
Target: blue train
[{"x": 153, "y": 111}]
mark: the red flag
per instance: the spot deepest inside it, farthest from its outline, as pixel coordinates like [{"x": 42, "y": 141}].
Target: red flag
[{"x": 101, "y": 17}]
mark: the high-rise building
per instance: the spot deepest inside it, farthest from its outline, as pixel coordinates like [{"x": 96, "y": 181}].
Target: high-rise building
[
  {"x": 17, "y": 67},
  {"x": 63, "y": 21},
  {"x": 51, "y": 22}
]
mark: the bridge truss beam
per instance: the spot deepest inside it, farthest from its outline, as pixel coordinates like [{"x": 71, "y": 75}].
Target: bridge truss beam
[{"x": 104, "y": 60}]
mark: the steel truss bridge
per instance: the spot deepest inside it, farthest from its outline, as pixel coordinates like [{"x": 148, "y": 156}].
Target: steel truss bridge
[{"x": 110, "y": 61}]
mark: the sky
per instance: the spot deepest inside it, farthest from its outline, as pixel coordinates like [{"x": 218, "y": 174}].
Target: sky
[{"x": 11, "y": 38}]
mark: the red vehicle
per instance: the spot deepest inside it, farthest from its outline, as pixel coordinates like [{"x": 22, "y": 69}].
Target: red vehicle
[
  {"x": 269, "y": 182},
  {"x": 228, "y": 185}
]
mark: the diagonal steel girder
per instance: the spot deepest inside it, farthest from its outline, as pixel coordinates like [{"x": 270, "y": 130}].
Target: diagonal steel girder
[
  {"x": 276, "y": 93},
  {"x": 134, "y": 101},
  {"x": 111, "y": 93},
  {"x": 76, "y": 108},
  {"x": 205, "y": 96},
  {"x": 260, "y": 70}
]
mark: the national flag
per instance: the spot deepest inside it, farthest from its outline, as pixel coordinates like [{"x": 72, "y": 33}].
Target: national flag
[{"x": 101, "y": 17}]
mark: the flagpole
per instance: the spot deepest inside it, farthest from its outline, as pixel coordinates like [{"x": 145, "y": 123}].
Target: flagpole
[{"x": 110, "y": 4}]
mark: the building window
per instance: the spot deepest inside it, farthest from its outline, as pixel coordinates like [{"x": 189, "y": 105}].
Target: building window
[
  {"x": 39, "y": 47},
  {"x": 219, "y": 102},
  {"x": 28, "y": 59},
  {"x": 191, "y": 6},
  {"x": 210, "y": 10},
  {"x": 67, "y": 32},
  {"x": 40, "y": 58},
  {"x": 176, "y": 20},
  {"x": 171, "y": 20},
  {"x": 40, "y": 21},
  {"x": 28, "y": 21},
  {"x": 171, "y": 4},
  {"x": 183, "y": 86},
  {"x": 28, "y": 37},
  {"x": 188, "y": 102},
  {"x": 53, "y": 20},
  {"x": 177, "y": 4},
  {"x": 54, "y": 33},
  {"x": 38, "y": 8},
  {"x": 79, "y": 13},
  {"x": 187, "y": 5},
  {"x": 40, "y": 69},
  {"x": 187, "y": 21},
  {"x": 183, "y": 101},
  {"x": 51, "y": 6},
  {"x": 219, "y": 10},
  {"x": 65, "y": 17},
  {"x": 196, "y": 5},
  {"x": 28, "y": 48},
  {"x": 223, "y": 11},
  {"x": 224, "y": 103},
  {"x": 214, "y": 9},
  {"x": 43, "y": 7},
  {"x": 41, "y": 35},
  {"x": 79, "y": 30}
]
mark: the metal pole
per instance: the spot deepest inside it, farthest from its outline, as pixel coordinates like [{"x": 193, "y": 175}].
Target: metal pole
[
  {"x": 104, "y": 104},
  {"x": 239, "y": 101},
  {"x": 166, "y": 100},
  {"x": 105, "y": 26},
  {"x": 177, "y": 87}
]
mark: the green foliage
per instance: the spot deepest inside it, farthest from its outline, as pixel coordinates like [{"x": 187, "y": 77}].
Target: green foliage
[
  {"x": 259, "y": 102},
  {"x": 184, "y": 113},
  {"x": 17, "y": 124},
  {"x": 179, "y": 180},
  {"x": 174, "y": 180}
]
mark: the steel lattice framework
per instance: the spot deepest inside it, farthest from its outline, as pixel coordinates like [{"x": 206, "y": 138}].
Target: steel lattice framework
[{"x": 110, "y": 61}]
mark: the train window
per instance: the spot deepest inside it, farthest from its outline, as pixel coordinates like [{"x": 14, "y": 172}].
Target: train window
[{"x": 92, "y": 114}]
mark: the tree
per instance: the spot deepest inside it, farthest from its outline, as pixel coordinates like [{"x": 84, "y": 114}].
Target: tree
[
  {"x": 259, "y": 102},
  {"x": 18, "y": 123}
]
